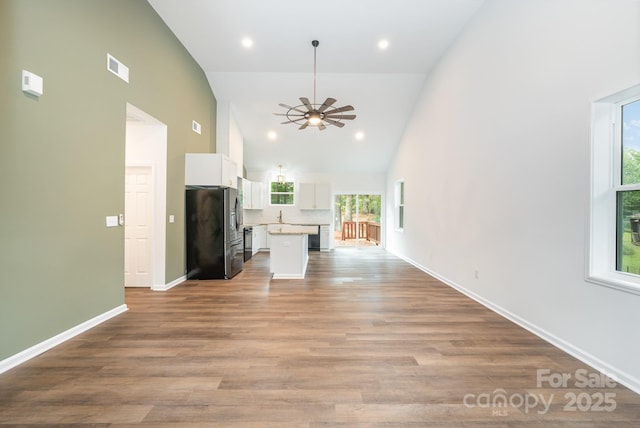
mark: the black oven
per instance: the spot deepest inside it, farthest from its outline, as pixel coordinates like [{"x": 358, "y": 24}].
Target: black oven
[
  {"x": 314, "y": 240},
  {"x": 248, "y": 245}
]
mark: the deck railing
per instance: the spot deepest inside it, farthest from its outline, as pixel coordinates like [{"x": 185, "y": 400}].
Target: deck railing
[
  {"x": 366, "y": 230},
  {"x": 373, "y": 232}
]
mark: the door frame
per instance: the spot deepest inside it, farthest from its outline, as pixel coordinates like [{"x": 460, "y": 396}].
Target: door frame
[
  {"x": 357, "y": 241},
  {"x": 150, "y": 149}
]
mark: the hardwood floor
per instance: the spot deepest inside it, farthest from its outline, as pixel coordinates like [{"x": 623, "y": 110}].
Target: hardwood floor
[{"x": 365, "y": 340}]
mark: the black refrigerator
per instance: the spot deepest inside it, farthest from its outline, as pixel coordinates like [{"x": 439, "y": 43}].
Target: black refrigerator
[{"x": 214, "y": 235}]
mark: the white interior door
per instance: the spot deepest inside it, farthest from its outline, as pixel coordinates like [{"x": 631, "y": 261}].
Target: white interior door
[{"x": 138, "y": 227}]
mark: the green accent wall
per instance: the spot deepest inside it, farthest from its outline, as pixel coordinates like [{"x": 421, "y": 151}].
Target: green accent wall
[{"x": 62, "y": 155}]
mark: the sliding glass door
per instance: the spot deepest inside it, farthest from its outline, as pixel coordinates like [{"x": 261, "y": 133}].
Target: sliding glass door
[{"x": 357, "y": 221}]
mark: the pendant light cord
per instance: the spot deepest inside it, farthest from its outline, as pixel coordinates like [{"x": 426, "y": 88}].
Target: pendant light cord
[{"x": 315, "y": 47}]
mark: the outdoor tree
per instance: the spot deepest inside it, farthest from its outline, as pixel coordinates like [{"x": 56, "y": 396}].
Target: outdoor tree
[
  {"x": 631, "y": 175},
  {"x": 348, "y": 210}
]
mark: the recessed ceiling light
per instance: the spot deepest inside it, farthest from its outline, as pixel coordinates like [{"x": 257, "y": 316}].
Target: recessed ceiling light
[
  {"x": 383, "y": 44},
  {"x": 359, "y": 135},
  {"x": 247, "y": 42},
  {"x": 272, "y": 135}
]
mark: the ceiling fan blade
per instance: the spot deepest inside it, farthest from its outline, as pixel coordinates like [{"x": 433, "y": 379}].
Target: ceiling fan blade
[
  {"x": 306, "y": 103},
  {"x": 339, "y": 110},
  {"x": 326, "y": 104},
  {"x": 321, "y": 126},
  {"x": 292, "y": 108},
  {"x": 346, "y": 116},
  {"x": 287, "y": 114},
  {"x": 304, "y": 125},
  {"x": 289, "y": 121},
  {"x": 333, "y": 122}
]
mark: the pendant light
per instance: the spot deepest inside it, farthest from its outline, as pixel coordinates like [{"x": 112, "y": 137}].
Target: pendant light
[{"x": 281, "y": 178}]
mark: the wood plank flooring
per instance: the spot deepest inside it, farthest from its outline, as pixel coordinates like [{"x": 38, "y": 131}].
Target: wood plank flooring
[{"x": 364, "y": 340}]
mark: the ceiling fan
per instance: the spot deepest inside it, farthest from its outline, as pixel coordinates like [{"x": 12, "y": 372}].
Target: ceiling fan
[{"x": 318, "y": 115}]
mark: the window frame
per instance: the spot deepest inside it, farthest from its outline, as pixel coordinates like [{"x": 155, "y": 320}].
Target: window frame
[
  {"x": 605, "y": 185},
  {"x": 292, "y": 194},
  {"x": 399, "y": 203}
]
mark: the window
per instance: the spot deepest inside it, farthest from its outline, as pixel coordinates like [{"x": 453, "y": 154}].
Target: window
[
  {"x": 399, "y": 203},
  {"x": 628, "y": 192},
  {"x": 282, "y": 193},
  {"x": 614, "y": 233}
]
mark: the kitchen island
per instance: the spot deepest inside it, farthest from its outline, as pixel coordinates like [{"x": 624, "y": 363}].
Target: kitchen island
[{"x": 289, "y": 250}]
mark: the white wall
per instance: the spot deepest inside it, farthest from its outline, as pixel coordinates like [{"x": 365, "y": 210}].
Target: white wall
[
  {"x": 496, "y": 169},
  {"x": 236, "y": 145}
]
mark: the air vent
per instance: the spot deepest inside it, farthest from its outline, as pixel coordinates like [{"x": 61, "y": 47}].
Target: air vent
[
  {"x": 117, "y": 68},
  {"x": 31, "y": 83}
]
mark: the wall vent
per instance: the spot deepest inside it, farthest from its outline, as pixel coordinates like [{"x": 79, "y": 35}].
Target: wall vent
[
  {"x": 31, "y": 83},
  {"x": 117, "y": 68}
]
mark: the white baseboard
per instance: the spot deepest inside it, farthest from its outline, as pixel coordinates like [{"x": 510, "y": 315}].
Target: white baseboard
[
  {"x": 617, "y": 375},
  {"x": 34, "y": 351},
  {"x": 170, "y": 285}
]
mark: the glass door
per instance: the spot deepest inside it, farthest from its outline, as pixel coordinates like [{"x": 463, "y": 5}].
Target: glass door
[{"x": 357, "y": 220}]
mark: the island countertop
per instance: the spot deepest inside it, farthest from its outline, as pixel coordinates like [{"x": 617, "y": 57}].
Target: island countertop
[{"x": 289, "y": 229}]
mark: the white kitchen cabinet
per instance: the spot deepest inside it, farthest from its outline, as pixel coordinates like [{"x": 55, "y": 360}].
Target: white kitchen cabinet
[
  {"x": 255, "y": 241},
  {"x": 209, "y": 169},
  {"x": 314, "y": 196},
  {"x": 325, "y": 238},
  {"x": 267, "y": 241},
  {"x": 257, "y": 199},
  {"x": 246, "y": 194},
  {"x": 252, "y": 192},
  {"x": 306, "y": 195},
  {"x": 259, "y": 238}
]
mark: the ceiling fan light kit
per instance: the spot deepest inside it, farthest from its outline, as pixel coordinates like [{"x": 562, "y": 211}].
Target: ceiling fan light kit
[{"x": 318, "y": 115}]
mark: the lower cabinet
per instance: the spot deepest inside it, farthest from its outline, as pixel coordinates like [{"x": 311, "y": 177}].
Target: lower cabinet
[
  {"x": 325, "y": 238},
  {"x": 255, "y": 241},
  {"x": 260, "y": 238}
]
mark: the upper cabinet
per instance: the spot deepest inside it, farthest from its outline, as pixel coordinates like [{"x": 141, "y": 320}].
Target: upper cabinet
[
  {"x": 257, "y": 199},
  {"x": 314, "y": 196},
  {"x": 210, "y": 169},
  {"x": 246, "y": 194},
  {"x": 252, "y": 192}
]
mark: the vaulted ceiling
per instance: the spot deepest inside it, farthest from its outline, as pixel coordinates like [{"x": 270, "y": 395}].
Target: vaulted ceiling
[{"x": 381, "y": 84}]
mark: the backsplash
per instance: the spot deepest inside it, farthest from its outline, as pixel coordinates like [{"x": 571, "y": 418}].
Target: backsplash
[{"x": 291, "y": 215}]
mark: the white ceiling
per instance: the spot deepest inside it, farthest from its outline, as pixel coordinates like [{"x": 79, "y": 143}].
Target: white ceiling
[{"x": 382, "y": 85}]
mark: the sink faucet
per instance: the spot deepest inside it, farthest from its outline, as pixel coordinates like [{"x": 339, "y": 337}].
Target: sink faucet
[{"x": 280, "y": 217}]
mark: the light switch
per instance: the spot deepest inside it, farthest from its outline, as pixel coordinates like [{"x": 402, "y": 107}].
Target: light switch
[
  {"x": 112, "y": 221},
  {"x": 172, "y": 219}
]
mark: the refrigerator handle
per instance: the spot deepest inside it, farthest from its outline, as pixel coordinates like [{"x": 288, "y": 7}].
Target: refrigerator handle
[{"x": 237, "y": 213}]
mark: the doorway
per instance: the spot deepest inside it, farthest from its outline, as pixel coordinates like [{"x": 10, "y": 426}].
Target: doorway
[
  {"x": 357, "y": 221},
  {"x": 145, "y": 200}
]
